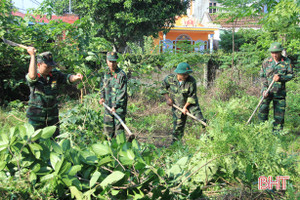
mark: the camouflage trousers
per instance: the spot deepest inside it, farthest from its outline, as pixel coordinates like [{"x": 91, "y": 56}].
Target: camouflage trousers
[
  {"x": 179, "y": 119},
  {"x": 112, "y": 126},
  {"x": 279, "y": 105},
  {"x": 42, "y": 124}
]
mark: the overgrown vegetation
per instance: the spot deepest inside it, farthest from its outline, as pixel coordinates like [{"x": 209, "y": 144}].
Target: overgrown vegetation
[{"x": 223, "y": 160}]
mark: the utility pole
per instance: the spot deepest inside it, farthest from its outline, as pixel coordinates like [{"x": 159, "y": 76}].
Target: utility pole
[{"x": 70, "y": 2}]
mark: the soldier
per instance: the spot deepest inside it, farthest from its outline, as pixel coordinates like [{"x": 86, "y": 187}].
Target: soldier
[
  {"x": 114, "y": 94},
  {"x": 279, "y": 69},
  {"x": 43, "y": 81},
  {"x": 182, "y": 89}
]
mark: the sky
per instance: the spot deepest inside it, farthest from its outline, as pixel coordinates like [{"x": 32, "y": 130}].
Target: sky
[{"x": 22, "y": 5}]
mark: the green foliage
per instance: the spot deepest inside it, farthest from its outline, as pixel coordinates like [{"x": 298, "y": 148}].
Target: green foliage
[
  {"x": 227, "y": 86},
  {"x": 283, "y": 19},
  {"x": 115, "y": 169},
  {"x": 82, "y": 124},
  {"x": 241, "y": 37},
  {"x": 71, "y": 44},
  {"x": 123, "y": 21}
]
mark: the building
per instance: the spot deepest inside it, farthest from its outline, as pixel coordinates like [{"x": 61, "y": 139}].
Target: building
[
  {"x": 189, "y": 30},
  {"x": 68, "y": 18},
  {"x": 201, "y": 26}
]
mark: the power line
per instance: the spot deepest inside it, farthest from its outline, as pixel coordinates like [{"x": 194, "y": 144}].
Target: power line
[
  {"x": 21, "y": 9},
  {"x": 35, "y": 2}
]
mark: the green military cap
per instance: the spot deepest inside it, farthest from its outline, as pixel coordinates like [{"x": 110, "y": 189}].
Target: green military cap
[
  {"x": 183, "y": 68},
  {"x": 47, "y": 58},
  {"x": 112, "y": 56},
  {"x": 275, "y": 47}
]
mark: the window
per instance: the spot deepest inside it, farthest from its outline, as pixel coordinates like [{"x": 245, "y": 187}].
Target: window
[{"x": 212, "y": 7}]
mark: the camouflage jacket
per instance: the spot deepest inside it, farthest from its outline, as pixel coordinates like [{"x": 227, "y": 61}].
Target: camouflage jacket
[
  {"x": 283, "y": 68},
  {"x": 43, "y": 92},
  {"x": 114, "y": 89},
  {"x": 180, "y": 94}
]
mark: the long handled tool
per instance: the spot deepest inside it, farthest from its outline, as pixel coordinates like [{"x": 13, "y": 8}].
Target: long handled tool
[
  {"x": 260, "y": 102},
  {"x": 13, "y": 43},
  {"x": 189, "y": 114},
  {"x": 131, "y": 135}
]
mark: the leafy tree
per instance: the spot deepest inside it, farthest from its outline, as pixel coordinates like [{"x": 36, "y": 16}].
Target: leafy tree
[
  {"x": 11, "y": 68},
  {"x": 283, "y": 19},
  {"x": 121, "y": 21},
  {"x": 241, "y": 37}
]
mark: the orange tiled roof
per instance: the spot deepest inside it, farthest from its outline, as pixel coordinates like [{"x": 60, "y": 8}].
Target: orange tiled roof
[{"x": 68, "y": 18}]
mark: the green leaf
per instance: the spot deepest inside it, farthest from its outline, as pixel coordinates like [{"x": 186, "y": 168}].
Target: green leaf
[
  {"x": 4, "y": 141},
  {"x": 29, "y": 129},
  {"x": 43, "y": 170},
  {"x": 36, "y": 135},
  {"x": 54, "y": 159},
  {"x": 89, "y": 193},
  {"x": 121, "y": 139},
  {"x": 67, "y": 180},
  {"x": 112, "y": 178},
  {"x": 3, "y": 176},
  {"x": 48, "y": 132},
  {"x": 126, "y": 161},
  {"x": 130, "y": 154},
  {"x": 22, "y": 131},
  {"x": 74, "y": 170},
  {"x": 58, "y": 149},
  {"x": 75, "y": 193},
  {"x": 65, "y": 167},
  {"x": 66, "y": 145},
  {"x": 2, "y": 165},
  {"x": 88, "y": 157},
  {"x": 12, "y": 131},
  {"x": 115, "y": 192},
  {"x": 32, "y": 178},
  {"x": 35, "y": 149},
  {"x": 105, "y": 160},
  {"x": 94, "y": 178},
  {"x": 139, "y": 166},
  {"x": 47, "y": 177},
  {"x": 249, "y": 173},
  {"x": 101, "y": 149},
  {"x": 174, "y": 171},
  {"x": 135, "y": 145},
  {"x": 182, "y": 161},
  {"x": 36, "y": 167}
]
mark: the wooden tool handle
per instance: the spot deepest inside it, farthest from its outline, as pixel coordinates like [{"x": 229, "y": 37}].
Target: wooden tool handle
[
  {"x": 119, "y": 118},
  {"x": 189, "y": 114},
  {"x": 260, "y": 102}
]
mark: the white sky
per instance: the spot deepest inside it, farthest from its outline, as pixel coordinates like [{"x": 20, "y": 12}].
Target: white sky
[{"x": 22, "y": 5}]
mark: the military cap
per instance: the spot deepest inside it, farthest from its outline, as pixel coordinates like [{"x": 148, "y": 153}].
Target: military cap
[
  {"x": 112, "y": 56},
  {"x": 47, "y": 58},
  {"x": 183, "y": 68},
  {"x": 275, "y": 47}
]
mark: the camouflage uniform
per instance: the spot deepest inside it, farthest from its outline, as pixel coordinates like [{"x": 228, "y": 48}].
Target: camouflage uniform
[
  {"x": 43, "y": 107},
  {"x": 114, "y": 91},
  {"x": 180, "y": 95},
  {"x": 277, "y": 93}
]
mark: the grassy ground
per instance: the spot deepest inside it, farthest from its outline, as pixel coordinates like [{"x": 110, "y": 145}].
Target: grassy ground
[{"x": 150, "y": 119}]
